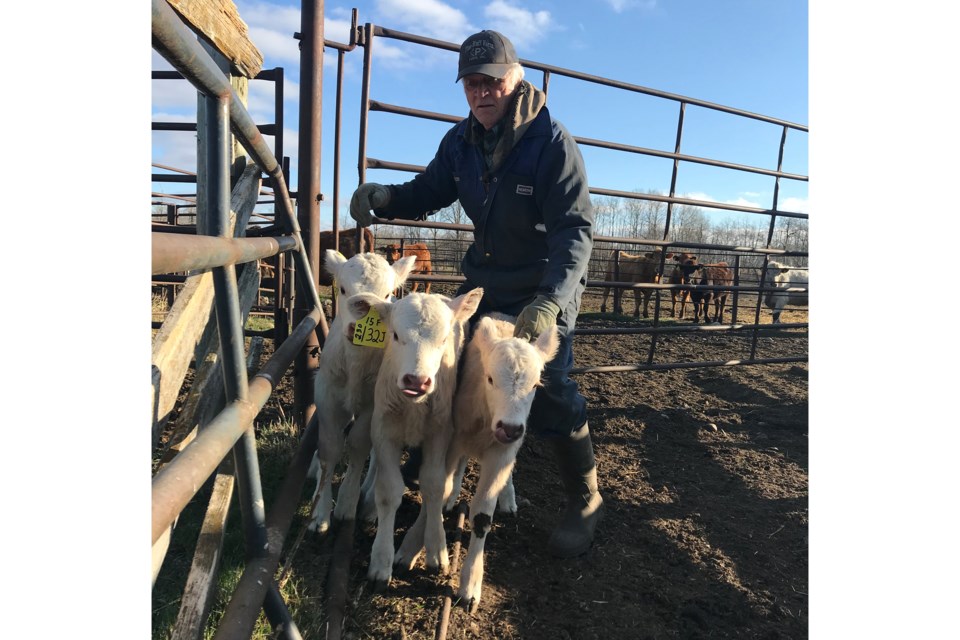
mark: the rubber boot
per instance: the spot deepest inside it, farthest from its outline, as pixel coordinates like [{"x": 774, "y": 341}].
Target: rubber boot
[{"x": 578, "y": 473}]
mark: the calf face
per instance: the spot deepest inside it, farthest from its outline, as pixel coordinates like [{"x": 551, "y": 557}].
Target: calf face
[
  {"x": 366, "y": 273},
  {"x": 512, "y": 368},
  {"x": 418, "y": 329}
]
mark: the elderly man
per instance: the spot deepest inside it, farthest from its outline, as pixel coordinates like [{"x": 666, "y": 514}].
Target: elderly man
[{"x": 520, "y": 178}]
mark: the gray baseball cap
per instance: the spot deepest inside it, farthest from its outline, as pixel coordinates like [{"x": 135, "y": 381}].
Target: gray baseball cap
[{"x": 487, "y": 52}]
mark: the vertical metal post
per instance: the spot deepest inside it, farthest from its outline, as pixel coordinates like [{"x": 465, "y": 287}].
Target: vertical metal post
[
  {"x": 230, "y": 322},
  {"x": 365, "y": 101},
  {"x": 617, "y": 291},
  {"x": 308, "y": 194}
]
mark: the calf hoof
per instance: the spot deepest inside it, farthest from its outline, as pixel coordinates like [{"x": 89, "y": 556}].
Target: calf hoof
[
  {"x": 471, "y": 605},
  {"x": 379, "y": 586}
]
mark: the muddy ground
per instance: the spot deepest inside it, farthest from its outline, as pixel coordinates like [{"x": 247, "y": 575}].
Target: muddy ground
[{"x": 704, "y": 473}]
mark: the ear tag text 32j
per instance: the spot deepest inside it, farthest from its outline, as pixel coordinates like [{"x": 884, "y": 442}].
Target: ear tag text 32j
[{"x": 370, "y": 331}]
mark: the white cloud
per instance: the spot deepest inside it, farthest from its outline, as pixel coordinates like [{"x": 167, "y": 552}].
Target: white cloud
[
  {"x": 426, "y": 17},
  {"x": 524, "y": 27},
  {"x": 797, "y": 205},
  {"x": 619, "y": 6}
]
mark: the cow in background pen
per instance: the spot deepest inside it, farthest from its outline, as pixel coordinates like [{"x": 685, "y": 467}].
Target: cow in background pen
[
  {"x": 424, "y": 265},
  {"x": 708, "y": 281},
  {"x": 781, "y": 278},
  {"x": 626, "y": 267}
]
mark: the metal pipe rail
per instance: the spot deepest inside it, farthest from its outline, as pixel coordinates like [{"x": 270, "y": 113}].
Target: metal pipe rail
[
  {"x": 684, "y": 365},
  {"x": 175, "y": 252},
  {"x": 176, "y": 484},
  {"x": 176, "y": 43},
  {"x": 376, "y": 163},
  {"x": 376, "y": 105}
]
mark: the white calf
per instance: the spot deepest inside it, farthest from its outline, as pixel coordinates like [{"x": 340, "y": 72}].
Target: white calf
[
  {"x": 413, "y": 403},
  {"x": 344, "y": 384},
  {"x": 783, "y": 278},
  {"x": 500, "y": 376}
]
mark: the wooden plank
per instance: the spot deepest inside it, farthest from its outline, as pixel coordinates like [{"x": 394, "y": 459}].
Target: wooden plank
[
  {"x": 202, "y": 582},
  {"x": 205, "y": 401},
  {"x": 218, "y": 22},
  {"x": 201, "y": 588},
  {"x": 175, "y": 343}
]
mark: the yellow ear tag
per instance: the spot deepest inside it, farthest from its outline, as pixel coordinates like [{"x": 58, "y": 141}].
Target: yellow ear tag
[{"x": 370, "y": 330}]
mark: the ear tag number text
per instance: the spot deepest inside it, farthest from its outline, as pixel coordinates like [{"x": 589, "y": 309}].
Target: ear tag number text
[{"x": 370, "y": 331}]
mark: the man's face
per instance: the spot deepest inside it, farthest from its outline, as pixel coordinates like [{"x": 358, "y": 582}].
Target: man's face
[{"x": 488, "y": 97}]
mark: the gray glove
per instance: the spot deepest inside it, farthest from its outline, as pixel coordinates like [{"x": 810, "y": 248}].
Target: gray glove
[
  {"x": 535, "y": 318},
  {"x": 369, "y": 195}
]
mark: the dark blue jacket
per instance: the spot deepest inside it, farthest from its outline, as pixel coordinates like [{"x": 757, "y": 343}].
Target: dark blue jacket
[{"x": 532, "y": 217}]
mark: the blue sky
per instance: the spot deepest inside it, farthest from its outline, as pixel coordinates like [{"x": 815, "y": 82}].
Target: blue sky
[{"x": 747, "y": 54}]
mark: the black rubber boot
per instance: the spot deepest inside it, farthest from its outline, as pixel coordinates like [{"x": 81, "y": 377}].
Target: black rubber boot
[{"x": 578, "y": 473}]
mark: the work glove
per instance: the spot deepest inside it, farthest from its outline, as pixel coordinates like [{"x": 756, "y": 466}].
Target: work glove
[
  {"x": 369, "y": 195},
  {"x": 535, "y": 318}
]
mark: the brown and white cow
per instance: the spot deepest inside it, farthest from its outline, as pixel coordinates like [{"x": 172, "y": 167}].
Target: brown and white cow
[
  {"x": 643, "y": 268},
  {"x": 708, "y": 281},
  {"x": 684, "y": 259},
  {"x": 424, "y": 265}
]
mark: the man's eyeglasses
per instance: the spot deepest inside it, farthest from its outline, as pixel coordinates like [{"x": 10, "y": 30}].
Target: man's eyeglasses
[{"x": 490, "y": 84}]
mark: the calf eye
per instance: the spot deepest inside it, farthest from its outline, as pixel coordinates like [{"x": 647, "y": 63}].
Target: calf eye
[
  {"x": 396, "y": 338},
  {"x": 490, "y": 380},
  {"x": 343, "y": 291}
]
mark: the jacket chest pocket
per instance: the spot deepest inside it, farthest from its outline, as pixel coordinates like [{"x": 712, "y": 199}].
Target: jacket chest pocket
[{"x": 518, "y": 204}]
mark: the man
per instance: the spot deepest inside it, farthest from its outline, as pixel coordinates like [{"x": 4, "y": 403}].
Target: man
[{"x": 520, "y": 178}]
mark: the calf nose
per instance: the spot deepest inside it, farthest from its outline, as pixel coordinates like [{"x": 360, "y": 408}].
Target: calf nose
[
  {"x": 416, "y": 385},
  {"x": 507, "y": 433}
]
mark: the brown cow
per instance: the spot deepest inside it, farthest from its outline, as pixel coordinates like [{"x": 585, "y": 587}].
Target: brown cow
[
  {"x": 419, "y": 249},
  {"x": 634, "y": 268},
  {"x": 677, "y": 277},
  {"x": 348, "y": 248},
  {"x": 704, "y": 276}
]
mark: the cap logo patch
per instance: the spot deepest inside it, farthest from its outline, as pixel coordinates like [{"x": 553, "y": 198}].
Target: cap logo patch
[{"x": 480, "y": 50}]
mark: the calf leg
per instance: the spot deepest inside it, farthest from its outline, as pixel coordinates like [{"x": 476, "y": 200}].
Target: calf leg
[
  {"x": 435, "y": 484},
  {"x": 329, "y": 450},
  {"x": 368, "y": 506},
  {"x": 389, "y": 493},
  {"x": 603, "y": 303},
  {"x": 507, "y": 500},
  {"x": 495, "y": 469},
  {"x": 358, "y": 448},
  {"x": 456, "y": 484}
]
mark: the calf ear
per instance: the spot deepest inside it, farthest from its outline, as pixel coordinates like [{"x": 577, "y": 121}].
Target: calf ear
[
  {"x": 332, "y": 262},
  {"x": 548, "y": 343},
  {"x": 485, "y": 333},
  {"x": 360, "y": 304},
  {"x": 403, "y": 267},
  {"x": 466, "y": 305}
]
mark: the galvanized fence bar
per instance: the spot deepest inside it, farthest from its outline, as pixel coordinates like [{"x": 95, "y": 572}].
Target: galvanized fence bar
[
  {"x": 175, "y": 485},
  {"x": 174, "y": 252}
]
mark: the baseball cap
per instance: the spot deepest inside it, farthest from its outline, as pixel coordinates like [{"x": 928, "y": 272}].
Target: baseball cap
[{"x": 487, "y": 52}]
